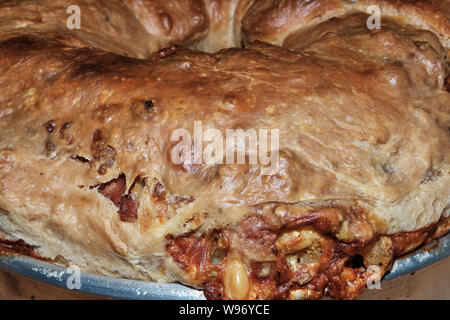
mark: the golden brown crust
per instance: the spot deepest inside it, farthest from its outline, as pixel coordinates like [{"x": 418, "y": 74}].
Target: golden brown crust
[
  {"x": 170, "y": 22},
  {"x": 273, "y": 21},
  {"x": 113, "y": 32},
  {"x": 134, "y": 28},
  {"x": 86, "y": 172}
]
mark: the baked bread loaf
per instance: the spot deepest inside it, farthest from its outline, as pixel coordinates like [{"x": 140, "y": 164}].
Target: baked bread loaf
[{"x": 87, "y": 117}]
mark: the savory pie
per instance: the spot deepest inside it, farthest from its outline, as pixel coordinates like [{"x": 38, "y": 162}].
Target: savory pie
[{"x": 86, "y": 117}]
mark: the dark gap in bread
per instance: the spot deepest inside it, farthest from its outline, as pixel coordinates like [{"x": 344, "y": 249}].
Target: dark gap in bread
[
  {"x": 148, "y": 104},
  {"x": 80, "y": 158},
  {"x": 128, "y": 208},
  {"x": 127, "y": 204},
  {"x": 50, "y": 126},
  {"x": 143, "y": 108},
  {"x": 355, "y": 262},
  {"x": 17, "y": 247},
  {"x": 165, "y": 52},
  {"x": 114, "y": 189}
]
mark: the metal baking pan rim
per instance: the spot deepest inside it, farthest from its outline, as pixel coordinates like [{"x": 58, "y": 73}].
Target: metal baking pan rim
[{"x": 141, "y": 290}]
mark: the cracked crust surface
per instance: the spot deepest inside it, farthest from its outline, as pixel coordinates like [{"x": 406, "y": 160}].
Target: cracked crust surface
[{"x": 86, "y": 176}]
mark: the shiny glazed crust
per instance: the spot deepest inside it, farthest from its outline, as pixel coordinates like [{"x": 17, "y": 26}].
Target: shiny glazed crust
[
  {"x": 273, "y": 21},
  {"x": 86, "y": 175}
]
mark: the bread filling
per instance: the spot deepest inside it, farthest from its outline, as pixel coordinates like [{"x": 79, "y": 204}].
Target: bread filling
[{"x": 299, "y": 259}]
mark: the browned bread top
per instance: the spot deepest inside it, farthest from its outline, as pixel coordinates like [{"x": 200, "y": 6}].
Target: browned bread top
[
  {"x": 273, "y": 21},
  {"x": 86, "y": 174}
]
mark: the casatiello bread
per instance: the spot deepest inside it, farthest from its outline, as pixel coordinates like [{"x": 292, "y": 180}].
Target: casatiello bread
[{"x": 87, "y": 118}]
